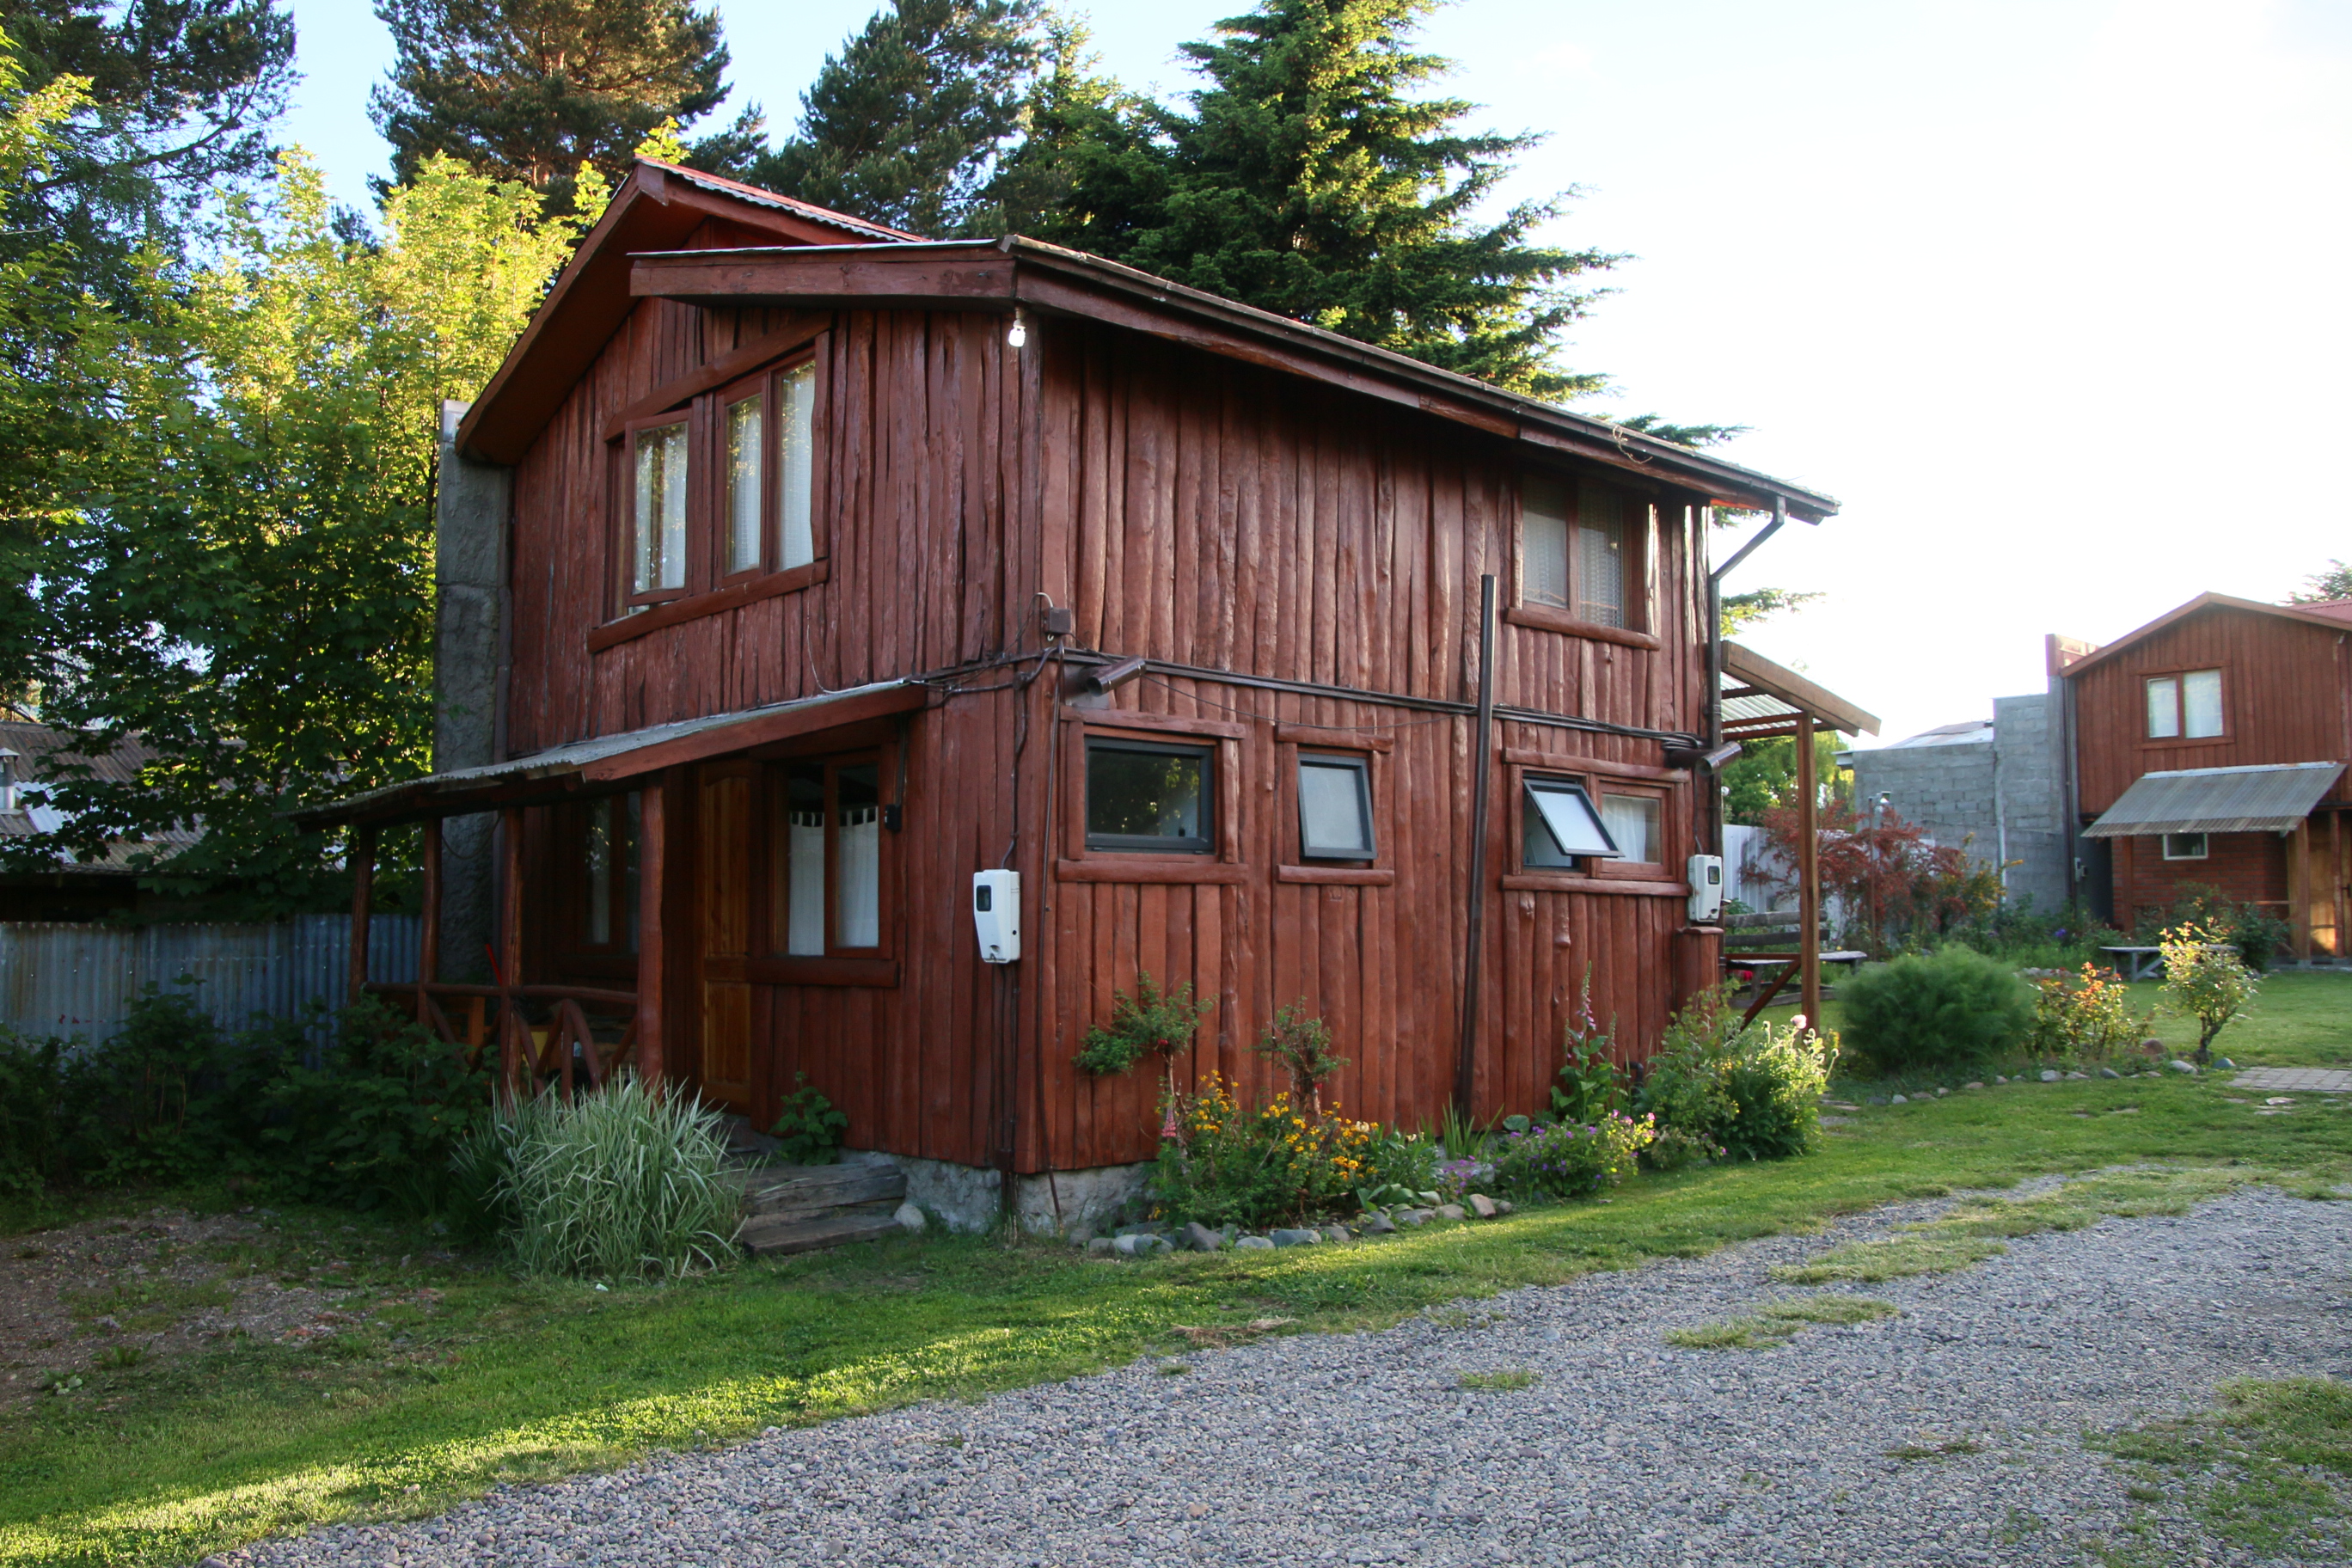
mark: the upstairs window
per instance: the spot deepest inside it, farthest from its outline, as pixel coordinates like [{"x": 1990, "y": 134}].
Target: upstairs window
[
  {"x": 1149, "y": 795},
  {"x": 796, "y": 398},
  {"x": 2186, "y": 707},
  {"x": 1335, "y": 808},
  {"x": 1576, "y": 546},
  {"x": 747, "y": 450},
  {"x": 1562, "y": 825},
  {"x": 657, "y": 553}
]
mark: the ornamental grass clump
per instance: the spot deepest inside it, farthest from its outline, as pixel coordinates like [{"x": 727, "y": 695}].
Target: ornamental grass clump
[
  {"x": 622, "y": 1183},
  {"x": 1568, "y": 1160},
  {"x": 1253, "y": 1167}
]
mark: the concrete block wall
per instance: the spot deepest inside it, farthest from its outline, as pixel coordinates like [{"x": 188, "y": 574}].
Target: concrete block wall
[{"x": 2002, "y": 795}]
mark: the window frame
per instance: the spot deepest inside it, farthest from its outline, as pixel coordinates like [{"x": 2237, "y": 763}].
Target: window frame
[
  {"x": 568, "y": 830},
  {"x": 2204, "y": 846},
  {"x": 708, "y": 588},
  {"x": 2178, "y": 680},
  {"x": 1360, "y": 764},
  {"x": 1077, "y": 863},
  {"x": 1638, "y": 515},
  {"x": 631, "y": 599},
  {"x": 1624, "y": 864},
  {"x": 772, "y": 920},
  {"x": 1528, "y": 782},
  {"x": 1650, "y": 879},
  {"x": 1202, "y": 845}
]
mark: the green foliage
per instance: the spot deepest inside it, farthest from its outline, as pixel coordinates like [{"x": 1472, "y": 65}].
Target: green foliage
[
  {"x": 1307, "y": 179},
  {"x": 170, "y": 1097},
  {"x": 252, "y": 589},
  {"x": 173, "y": 103},
  {"x": 904, "y": 124},
  {"x": 1775, "y": 1323},
  {"x": 1744, "y": 610},
  {"x": 808, "y": 1131},
  {"x": 1589, "y": 1085},
  {"x": 1951, "y": 1009},
  {"x": 1570, "y": 1160},
  {"x": 2258, "y": 936},
  {"x": 1150, "y": 1023},
  {"x": 2330, "y": 583},
  {"x": 2087, "y": 1017},
  {"x": 619, "y": 1184},
  {"x": 1764, "y": 775},
  {"x": 1725, "y": 1089},
  {"x": 2205, "y": 982},
  {"x": 1302, "y": 1043},
  {"x": 527, "y": 91},
  {"x": 1257, "y": 1166},
  {"x": 1398, "y": 1167}
]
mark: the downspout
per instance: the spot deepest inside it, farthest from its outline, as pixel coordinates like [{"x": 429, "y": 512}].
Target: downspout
[{"x": 1481, "y": 779}]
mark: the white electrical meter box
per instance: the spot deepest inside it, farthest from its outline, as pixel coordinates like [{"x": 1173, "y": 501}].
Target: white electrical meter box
[
  {"x": 996, "y": 914},
  {"x": 1705, "y": 888}
]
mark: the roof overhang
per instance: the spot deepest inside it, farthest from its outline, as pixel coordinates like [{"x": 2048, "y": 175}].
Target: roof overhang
[
  {"x": 1015, "y": 273},
  {"x": 656, "y": 208},
  {"x": 2330, "y": 618},
  {"x": 1770, "y": 697},
  {"x": 2264, "y": 799},
  {"x": 565, "y": 771}
]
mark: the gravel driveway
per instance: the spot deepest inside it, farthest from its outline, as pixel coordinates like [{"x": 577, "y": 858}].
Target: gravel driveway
[{"x": 1367, "y": 1449}]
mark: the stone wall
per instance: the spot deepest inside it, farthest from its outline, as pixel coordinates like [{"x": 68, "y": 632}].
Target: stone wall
[{"x": 471, "y": 502}]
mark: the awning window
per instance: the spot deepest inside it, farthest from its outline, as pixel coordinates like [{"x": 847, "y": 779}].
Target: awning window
[{"x": 1562, "y": 825}]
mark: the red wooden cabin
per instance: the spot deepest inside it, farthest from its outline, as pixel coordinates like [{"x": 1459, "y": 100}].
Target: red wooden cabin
[
  {"x": 2210, "y": 749},
  {"x": 838, "y": 567}
]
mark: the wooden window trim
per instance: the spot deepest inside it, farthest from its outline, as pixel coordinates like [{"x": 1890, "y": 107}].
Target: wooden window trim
[
  {"x": 1077, "y": 863},
  {"x": 1127, "y": 845},
  {"x": 676, "y": 612},
  {"x": 1562, "y": 763},
  {"x": 1641, "y": 550},
  {"x": 1638, "y": 870},
  {"x": 1548, "y": 881},
  {"x": 1296, "y": 866},
  {"x": 2180, "y": 701},
  {"x": 695, "y": 475}
]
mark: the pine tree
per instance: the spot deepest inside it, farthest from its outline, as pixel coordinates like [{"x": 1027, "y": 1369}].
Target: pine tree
[
  {"x": 2332, "y": 582},
  {"x": 1306, "y": 180},
  {"x": 527, "y": 90},
  {"x": 178, "y": 99},
  {"x": 905, "y": 123}
]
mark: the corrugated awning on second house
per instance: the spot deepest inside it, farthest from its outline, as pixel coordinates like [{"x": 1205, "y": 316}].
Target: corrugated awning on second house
[{"x": 2272, "y": 798}]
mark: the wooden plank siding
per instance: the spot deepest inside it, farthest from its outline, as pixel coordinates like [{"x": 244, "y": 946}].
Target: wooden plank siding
[{"x": 1206, "y": 513}]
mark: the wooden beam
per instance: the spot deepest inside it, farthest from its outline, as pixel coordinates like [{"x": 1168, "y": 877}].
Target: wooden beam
[
  {"x": 363, "y": 858},
  {"x": 2299, "y": 885},
  {"x": 512, "y": 1037},
  {"x": 2336, "y": 884},
  {"x": 1809, "y": 873},
  {"x": 827, "y": 277},
  {"x": 786, "y": 721},
  {"x": 653, "y": 861}
]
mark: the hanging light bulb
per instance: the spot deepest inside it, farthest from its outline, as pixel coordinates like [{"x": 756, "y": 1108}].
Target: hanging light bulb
[{"x": 1019, "y": 335}]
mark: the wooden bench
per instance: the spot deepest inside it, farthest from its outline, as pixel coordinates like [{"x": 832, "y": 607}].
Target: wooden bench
[{"x": 2147, "y": 963}]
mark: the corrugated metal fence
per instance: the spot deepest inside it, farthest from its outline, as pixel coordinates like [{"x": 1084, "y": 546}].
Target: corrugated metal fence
[{"x": 63, "y": 978}]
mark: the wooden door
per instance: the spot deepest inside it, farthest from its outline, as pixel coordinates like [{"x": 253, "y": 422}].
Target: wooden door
[{"x": 723, "y": 827}]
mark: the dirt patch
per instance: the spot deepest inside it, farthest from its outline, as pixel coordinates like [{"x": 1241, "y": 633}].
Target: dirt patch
[{"x": 127, "y": 1291}]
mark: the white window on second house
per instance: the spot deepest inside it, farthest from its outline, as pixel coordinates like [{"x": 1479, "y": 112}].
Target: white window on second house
[
  {"x": 2186, "y": 707},
  {"x": 2184, "y": 847},
  {"x": 658, "y": 552}
]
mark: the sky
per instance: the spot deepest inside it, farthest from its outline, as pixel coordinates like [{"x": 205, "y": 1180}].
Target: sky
[{"x": 2051, "y": 294}]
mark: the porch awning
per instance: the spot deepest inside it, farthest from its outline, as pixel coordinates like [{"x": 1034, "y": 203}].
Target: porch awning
[
  {"x": 1768, "y": 698},
  {"x": 2265, "y": 799},
  {"x": 560, "y": 771}
]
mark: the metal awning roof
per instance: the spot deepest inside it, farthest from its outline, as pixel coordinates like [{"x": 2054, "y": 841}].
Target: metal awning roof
[
  {"x": 1769, "y": 698},
  {"x": 560, "y": 771},
  {"x": 2264, "y": 799}
]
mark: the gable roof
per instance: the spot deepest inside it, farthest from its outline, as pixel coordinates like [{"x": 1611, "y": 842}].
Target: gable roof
[
  {"x": 825, "y": 261},
  {"x": 2335, "y": 615},
  {"x": 656, "y": 207}
]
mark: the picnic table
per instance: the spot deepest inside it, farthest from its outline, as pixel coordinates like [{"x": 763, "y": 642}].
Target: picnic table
[
  {"x": 2145, "y": 962},
  {"x": 1787, "y": 963}
]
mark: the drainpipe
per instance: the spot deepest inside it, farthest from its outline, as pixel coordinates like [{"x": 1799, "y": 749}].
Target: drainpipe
[{"x": 1481, "y": 768}]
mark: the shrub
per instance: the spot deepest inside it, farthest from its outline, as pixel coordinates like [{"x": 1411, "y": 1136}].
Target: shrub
[
  {"x": 1254, "y": 1167},
  {"x": 808, "y": 1131},
  {"x": 1398, "y": 1167},
  {"x": 1930, "y": 1013},
  {"x": 1301, "y": 1042},
  {"x": 1721, "y": 1089},
  {"x": 1566, "y": 1160},
  {"x": 620, "y": 1184},
  {"x": 1151, "y": 1023},
  {"x": 2205, "y": 983},
  {"x": 378, "y": 1120},
  {"x": 2084, "y": 1017}
]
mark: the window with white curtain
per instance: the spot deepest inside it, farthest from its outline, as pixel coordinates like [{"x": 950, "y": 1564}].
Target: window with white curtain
[
  {"x": 1633, "y": 822},
  {"x": 1578, "y": 544},
  {"x": 2184, "y": 706},
  {"x": 1543, "y": 542},
  {"x": 1599, "y": 555},
  {"x": 747, "y": 445},
  {"x": 796, "y": 467},
  {"x": 657, "y": 556},
  {"x": 827, "y": 843}
]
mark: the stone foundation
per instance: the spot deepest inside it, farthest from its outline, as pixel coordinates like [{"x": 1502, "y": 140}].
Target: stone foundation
[{"x": 966, "y": 1197}]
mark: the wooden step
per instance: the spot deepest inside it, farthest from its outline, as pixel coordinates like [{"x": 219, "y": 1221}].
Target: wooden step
[
  {"x": 807, "y": 1191},
  {"x": 771, "y": 1235}
]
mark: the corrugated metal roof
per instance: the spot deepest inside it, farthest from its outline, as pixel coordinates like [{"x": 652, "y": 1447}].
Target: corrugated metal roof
[
  {"x": 2259, "y": 799},
  {"x": 36, "y": 744}
]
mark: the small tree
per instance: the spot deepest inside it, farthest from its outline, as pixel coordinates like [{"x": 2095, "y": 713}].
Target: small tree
[
  {"x": 2205, "y": 980},
  {"x": 1151, "y": 1023},
  {"x": 1299, "y": 1041}
]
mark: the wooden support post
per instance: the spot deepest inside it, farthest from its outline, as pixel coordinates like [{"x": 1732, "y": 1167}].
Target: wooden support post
[
  {"x": 1808, "y": 875},
  {"x": 653, "y": 972},
  {"x": 2298, "y": 888},
  {"x": 362, "y": 862},
  {"x": 428, "y": 941},
  {"x": 2336, "y": 887},
  {"x": 514, "y": 1036}
]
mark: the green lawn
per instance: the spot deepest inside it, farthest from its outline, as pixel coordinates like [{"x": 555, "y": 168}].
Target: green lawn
[{"x": 501, "y": 1380}]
